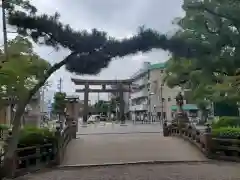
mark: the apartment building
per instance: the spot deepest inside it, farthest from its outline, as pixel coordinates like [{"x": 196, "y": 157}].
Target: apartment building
[
  {"x": 138, "y": 102},
  {"x": 149, "y": 93},
  {"x": 161, "y": 97}
]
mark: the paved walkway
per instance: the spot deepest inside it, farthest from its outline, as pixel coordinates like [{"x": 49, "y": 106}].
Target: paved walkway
[
  {"x": 219, "y": 171},
  {"x": 108, "y": 143},
  {"x": 112, "y": 128},
  {"x": 123, "y": 148}
]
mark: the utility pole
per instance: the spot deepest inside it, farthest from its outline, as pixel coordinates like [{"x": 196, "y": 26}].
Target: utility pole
[
  {"x": 60, "y": 85},
  {"x": 98, "y": 97},
  {"x": 4, "y": 29},
  {"x": 161, "y": 95}
]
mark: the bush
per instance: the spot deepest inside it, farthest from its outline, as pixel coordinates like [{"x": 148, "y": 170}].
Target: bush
[
  {"x": 31, "y": 136},
  {"x": 226, "y": 121},
  {"x": 4, "y": 127},
  {"x": 226, "y": 132}
]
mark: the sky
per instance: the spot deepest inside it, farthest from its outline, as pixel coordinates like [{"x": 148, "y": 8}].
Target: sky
[{"x": 119, "y": 18}]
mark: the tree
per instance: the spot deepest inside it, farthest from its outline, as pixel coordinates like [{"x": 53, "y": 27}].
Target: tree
[
  {"x": 212, "y": 74},
  {"x": 59, "y": 103},
  {"x": 21, "y": 72},
  {"x": 102, "y": 106},
  {"x": 215, "y": 24}
]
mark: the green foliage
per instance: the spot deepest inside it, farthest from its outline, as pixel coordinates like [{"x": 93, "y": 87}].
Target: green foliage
[
  {"x": 213, "y": 74},
  {"x": 226, "y": 132},
  {"x": 4, "y": 127},
  {"x": 59, "y": 103},
  {"x": 31, "y": 136},
  {"x": 226, "y": 122},
  {"x": 102, "y": 106},
  {"x": 22, "y": 71}
]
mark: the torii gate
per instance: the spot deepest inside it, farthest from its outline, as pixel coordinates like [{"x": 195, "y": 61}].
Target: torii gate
[{"x": 119, "y": 84}]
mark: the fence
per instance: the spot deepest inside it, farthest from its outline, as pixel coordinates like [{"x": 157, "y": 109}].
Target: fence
[
  {"x": 212, "y": 147},
  {"x": 29, "y": 159}
]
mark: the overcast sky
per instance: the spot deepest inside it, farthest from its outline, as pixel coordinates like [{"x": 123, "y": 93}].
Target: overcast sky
[{"x": 120, "y": 18}]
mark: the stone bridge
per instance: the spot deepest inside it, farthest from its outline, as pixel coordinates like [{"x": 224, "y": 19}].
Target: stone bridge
[{"x": 112, "y": 151}]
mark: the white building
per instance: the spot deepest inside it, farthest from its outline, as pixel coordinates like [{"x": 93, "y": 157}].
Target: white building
[
  {"x": 149, "y": 95},
  {"x": 162, "y": 98},
  {"x": 139, "y": 95}
]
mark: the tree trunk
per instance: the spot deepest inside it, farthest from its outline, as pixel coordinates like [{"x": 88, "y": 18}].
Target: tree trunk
[{"x": 13, "y": 142}]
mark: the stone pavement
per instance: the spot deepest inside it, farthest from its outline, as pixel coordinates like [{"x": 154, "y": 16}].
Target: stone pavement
[
  {"x": 112, "y": 128},
  {"x": 175, "y": 171},
  {"x": 123, "y": 148}
]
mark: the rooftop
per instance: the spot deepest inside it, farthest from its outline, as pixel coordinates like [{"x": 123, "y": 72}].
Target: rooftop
[
  {"x": 151, "y": 67},
  {"x": 157, "y": 66}
]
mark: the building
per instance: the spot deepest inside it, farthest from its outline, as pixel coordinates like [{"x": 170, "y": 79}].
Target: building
[
  {"x": 161, "y": 97},
  {"x": 138, "y": 103},
  {"x": 149, "y": 93}
]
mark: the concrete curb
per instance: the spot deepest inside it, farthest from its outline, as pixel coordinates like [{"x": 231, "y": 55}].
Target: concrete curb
[
  {"x": 103, "y": 133},
  {"x": 82, "y": 166},
  {"x": 76, "y": 166}
]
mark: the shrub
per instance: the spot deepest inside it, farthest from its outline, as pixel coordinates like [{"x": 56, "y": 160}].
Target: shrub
[
  {"x": 4, "y": 127},
  {"x": 31, "y": 136},
  {"x": 226, "y": 121},
  {"x": 226, "y": 132}
]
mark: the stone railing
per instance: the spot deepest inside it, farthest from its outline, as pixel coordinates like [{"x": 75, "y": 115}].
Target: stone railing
[
  {"x": 30, "y": 159},
  {"x": 3, "y": 134},
  {"x": 212, "y": 147}
]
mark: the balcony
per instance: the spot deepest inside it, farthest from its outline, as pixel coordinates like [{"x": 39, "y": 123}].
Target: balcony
[
  {"x": 139, "y": 107},
  {"x": 140, "y": 82},
  {"x": 135, "y": 95}
]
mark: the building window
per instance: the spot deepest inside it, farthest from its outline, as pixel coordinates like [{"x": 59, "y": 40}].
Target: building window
[
  {"x": 169, "y": 99},
  {"x": 163, "y": 99}
]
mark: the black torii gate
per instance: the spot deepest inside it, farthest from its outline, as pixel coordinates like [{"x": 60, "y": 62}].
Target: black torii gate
[{"x": 118, "y": 87}]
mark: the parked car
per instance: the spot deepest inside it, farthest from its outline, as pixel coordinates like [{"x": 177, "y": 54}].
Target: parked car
[
  {"x": 103, "y": 118},
  {"x": 93, "y": 119}
]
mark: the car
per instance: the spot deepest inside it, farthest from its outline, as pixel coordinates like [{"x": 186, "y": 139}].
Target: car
[
  {"x": 103, "y": 118},
  {"x": 93, "y": 118}
]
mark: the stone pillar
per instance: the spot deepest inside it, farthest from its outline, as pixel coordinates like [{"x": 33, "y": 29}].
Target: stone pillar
[
  {"x": 121, "y": 104},
  {"x": 85, "y": 108},
  {"x": 76, "y": 113},
  {"x": 8, "y": 114}
]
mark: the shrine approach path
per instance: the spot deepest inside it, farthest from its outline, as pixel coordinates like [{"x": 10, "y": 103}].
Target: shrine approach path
[{"x": 139, "y": 143}]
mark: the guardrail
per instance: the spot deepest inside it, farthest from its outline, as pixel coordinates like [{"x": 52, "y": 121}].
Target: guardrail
[{"x": 212, "y": 147}]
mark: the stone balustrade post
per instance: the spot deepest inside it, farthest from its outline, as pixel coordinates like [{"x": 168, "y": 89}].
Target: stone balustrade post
[
  {"x": 74, "y": 129},
  {"x": 208, "y": 140},
  {"x": 165, "y": 129},
  {"x": 59, "y": 150}
]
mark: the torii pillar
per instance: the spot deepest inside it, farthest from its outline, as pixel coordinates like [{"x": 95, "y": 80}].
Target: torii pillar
[
  {"x": 121, "y": 105},
  {"x": 85, "y": 105}
]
